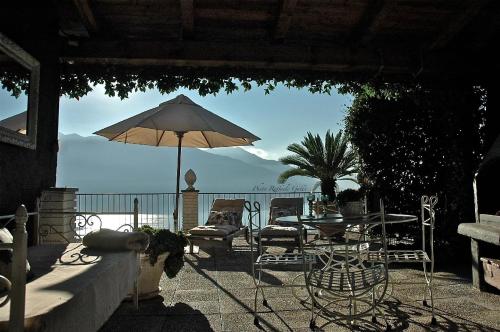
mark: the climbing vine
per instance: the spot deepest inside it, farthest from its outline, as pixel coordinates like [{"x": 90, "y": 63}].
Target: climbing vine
[{"x": 120, "y": 81}]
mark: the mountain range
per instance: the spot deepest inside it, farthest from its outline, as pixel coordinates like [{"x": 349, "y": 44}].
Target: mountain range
[{"x": 95, "y": 165}]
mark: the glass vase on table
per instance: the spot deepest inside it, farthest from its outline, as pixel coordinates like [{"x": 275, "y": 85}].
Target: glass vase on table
[
  {"x": 310, "y": 198},
  {"x": 324, "y": 199}
]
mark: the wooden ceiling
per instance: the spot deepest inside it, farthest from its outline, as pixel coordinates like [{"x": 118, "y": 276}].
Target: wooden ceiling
[{"x": 399, "y": 38}]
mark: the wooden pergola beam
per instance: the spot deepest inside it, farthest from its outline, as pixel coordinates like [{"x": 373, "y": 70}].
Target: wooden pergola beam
[
  {"x": 366, "y": 28},
  {"x": 259, "y": 51},
  {"x": 284, "y": 19},
  {"x": 86, "y": 15},
  {"x": 187, "y": 14},
  {"x": 458, "y": 23},
  {"x": 266, "y": 56}
]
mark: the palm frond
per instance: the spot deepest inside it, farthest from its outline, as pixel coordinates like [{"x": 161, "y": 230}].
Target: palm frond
[
  {"x": 349, "y": 179},
  {"x": 292, "y": 172},
  {"x": 332, "y": 159},
  {"x": 297, "y": 161}
]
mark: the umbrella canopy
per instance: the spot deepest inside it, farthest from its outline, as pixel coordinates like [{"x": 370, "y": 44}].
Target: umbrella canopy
[
  {"x": 160, "y": 126},
  {"x": 16, "y": 122},
  {"x": 178, "y": 122}
]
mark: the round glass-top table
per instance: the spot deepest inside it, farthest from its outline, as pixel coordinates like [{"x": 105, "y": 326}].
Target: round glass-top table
[
  {"x": 338, "y": 219},
  {"x": 344, "y": 279}
]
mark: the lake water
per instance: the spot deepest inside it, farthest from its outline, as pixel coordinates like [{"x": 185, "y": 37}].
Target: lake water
[{"x": 115, "y": 221}]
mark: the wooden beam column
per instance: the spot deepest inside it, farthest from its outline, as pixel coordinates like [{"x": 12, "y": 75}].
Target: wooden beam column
[{"x": 26, "y": 173}]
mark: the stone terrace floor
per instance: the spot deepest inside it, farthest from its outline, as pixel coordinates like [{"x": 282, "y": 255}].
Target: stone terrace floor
[{"x": 214, "y": 292}]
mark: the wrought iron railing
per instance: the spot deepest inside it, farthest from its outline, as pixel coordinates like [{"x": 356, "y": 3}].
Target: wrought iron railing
[{"x": 156, "y": 209}]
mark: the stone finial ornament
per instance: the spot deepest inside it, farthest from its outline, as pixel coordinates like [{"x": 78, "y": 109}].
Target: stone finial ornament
[{"x": 190, "y": 178}]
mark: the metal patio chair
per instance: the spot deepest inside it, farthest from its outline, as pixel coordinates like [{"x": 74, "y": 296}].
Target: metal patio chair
[
  {"x": 350, "y": 288},
  {"x": 427, "y": 214},
  {"x": 261, "y": 260}
]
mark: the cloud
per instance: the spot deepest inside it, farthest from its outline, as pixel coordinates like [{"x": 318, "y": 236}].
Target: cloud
[{"x": 258, "y": 152}]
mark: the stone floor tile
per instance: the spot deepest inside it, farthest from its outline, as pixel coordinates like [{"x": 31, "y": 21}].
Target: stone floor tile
[
  {"x": 135, "y": 324},
  {"x": 192, "y": 323},
  {"x": 215, "y": 292},
  {"x": 193, "y": 308},
  {"x": 196, "y": 295}
]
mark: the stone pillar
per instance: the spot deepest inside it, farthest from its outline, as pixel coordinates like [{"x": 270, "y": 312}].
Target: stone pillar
[
  {"x": 189, "y": 202},
  {"x": 57, "y": 212}
]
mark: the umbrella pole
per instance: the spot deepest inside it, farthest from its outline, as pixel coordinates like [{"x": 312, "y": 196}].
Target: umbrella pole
[{"x": 176, "y": 211}]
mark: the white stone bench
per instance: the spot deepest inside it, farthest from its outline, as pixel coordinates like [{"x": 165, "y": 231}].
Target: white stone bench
[
  {"x": 75, "y": 288},
  {"x": 487, "y": 230}
]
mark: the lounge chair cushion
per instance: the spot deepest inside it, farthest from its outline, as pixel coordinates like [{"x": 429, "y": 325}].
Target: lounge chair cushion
[
  {"x": 277, "y": 212},
  {"x": 213, "y": 230},
  {"x": 224, "y": 218},
  {"x": 276, "y": 230},
  {"x": 6, "y": 255},
  {"x": 234, "y": 214}
]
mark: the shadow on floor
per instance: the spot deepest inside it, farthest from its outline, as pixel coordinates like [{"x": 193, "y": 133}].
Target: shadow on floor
[{"x": 155, "y": 315}]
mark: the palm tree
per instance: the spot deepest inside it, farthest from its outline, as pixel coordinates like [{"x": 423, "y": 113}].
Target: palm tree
[{"x": 329, "y": 162}]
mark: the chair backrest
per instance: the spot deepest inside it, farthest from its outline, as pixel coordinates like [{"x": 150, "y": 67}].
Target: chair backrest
[
  {"x": 233, "y": 205},
  {"x": 427, "y": 204},
  {"x": 236, "y": 205},
  {"x": 293, "y": 203}
]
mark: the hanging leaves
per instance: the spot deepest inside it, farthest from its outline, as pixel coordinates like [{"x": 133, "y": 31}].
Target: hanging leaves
[{"x": 120, "y": 81}]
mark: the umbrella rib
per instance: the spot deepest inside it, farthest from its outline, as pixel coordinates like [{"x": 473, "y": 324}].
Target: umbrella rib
[
  {"x": 163, "y": 133},
  {"x": 206, "y": 139},
  {"x": 119, "y": 134}
]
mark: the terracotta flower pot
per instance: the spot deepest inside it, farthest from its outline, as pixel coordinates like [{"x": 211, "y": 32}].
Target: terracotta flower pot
[
  {"x": 149, "y": 278},
  {"x": 352, "y": 208}
]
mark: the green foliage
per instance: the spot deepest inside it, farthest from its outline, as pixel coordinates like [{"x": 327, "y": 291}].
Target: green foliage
[
  {"x": 14, "y": 81},
  {"x": 415, "y": 141},
  {"x": 329, "y": 162},
  {"x": 349, "y": 195},
  {"x": 162, "y": 241},
  {"x": 77, "y": 81}
]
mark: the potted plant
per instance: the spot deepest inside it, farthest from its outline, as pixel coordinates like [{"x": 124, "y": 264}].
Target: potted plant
[
  {"x": 350, "y": 202},
  {"x": 329, "y": 162},
  {"x": 165, "y": 253}
]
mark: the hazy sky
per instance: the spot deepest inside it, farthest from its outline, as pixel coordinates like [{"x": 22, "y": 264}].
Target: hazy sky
[{"x": 280, "y": 118}]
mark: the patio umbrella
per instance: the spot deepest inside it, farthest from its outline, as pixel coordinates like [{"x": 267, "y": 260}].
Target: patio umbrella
[
  {"x": 182, "y": 123},
  {"x": 16, "y": 122}
]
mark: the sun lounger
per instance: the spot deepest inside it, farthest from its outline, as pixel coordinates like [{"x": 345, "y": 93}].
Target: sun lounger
[
  {"x": 278, "y": 235},
  {"x": 219, "y": 231}
]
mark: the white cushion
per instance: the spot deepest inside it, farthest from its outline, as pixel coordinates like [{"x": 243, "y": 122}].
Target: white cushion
[
  {"x": 276, "y": 230},
  {"x": 224, "y": 217},
  {"x": 6, "y": 255},
  {"x": 213, "y": 230}
]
